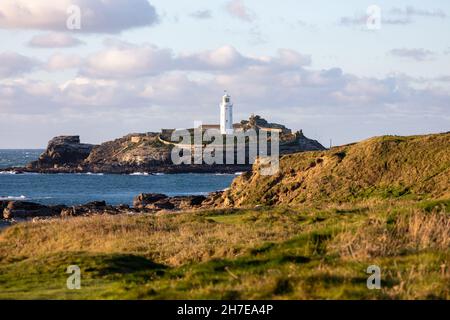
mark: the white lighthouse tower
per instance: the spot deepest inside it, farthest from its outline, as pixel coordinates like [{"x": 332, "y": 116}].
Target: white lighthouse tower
[{"x": 226, "y": 115}]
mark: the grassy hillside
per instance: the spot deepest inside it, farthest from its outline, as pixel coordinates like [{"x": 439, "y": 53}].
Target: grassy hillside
[
  {"x": 309, "y": 232},
  {"x": 283, "y": 252},
  {"x": 415, "y": 167}
]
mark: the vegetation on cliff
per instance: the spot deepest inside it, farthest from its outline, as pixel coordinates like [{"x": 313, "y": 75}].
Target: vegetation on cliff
[{"x": 415, "y": 167}]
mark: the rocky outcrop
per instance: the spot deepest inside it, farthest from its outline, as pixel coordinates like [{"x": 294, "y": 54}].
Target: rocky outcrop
[
  {"x": 143, "y": 203},
  {"x": 23, "y": 210},
  {"x": 63, "y": 151},
  {"x": 91, "y": 208},
  {"x": 156, "y": 201},
  {"x": 145, "y": 199},
  {"x": 300, "y": 143}
]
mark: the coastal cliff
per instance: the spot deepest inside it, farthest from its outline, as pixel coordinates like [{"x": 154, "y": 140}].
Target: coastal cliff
[
  {"x": 62, "y": 151},
  {"x": 380, "y": 167}
]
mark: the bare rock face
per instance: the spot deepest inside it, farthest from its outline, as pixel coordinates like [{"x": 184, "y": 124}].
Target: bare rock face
[{"x": 62, "y": 151}]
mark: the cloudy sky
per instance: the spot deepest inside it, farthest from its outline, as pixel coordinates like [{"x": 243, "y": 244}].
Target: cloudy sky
[{"x": 139, "y": 66}]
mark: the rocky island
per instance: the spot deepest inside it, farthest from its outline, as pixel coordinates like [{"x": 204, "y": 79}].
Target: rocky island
[{"x": 148, "y": 152}]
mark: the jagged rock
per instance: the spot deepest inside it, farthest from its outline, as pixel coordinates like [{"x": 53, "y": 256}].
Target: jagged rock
[
  {"x": 187, "y": 202},
  {"x": 156, "y": 201},
  {"x": 145, "y": 199},
  {"x": 308, "y": 144},
  {"x": 91, "y": 208},
  {"x": 163, "y": 204},
  {"x": 212, "y": 198},
  {"x": 123, "y": 207},
  {"x": 62, "y": 151},
  {"x": 22, "y": 209},
  {"x": 194, "y": 201}
]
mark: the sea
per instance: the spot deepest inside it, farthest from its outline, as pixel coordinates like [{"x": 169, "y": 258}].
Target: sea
[{"x": 73, "y": 189}]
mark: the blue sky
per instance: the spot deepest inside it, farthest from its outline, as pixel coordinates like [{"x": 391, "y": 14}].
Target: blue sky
[{"x": 137, "y": 66}]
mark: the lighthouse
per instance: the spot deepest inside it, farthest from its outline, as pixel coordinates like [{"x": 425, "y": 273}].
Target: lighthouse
[{"x": 226, "y": 115}]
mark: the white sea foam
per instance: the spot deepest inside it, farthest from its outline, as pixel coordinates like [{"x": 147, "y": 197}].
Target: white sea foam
[
  {"x": 159, "y": 174},
  {"x": 139, "y": 174},
  {"x": 22, "y": 197},
  {"x": 8, "y": 172},
  {"x": 94, "y": 174}
]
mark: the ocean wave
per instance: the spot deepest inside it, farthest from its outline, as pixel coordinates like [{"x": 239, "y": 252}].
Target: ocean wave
[
  {"x": 159, "y": 174},
  {"x": 94, "y": 174},
  {"x": 8, "y": 172},
  {"x": 174, "y": 194},
  {"x": 139, "y": 174},
  {"x": 22, "y": 197}
]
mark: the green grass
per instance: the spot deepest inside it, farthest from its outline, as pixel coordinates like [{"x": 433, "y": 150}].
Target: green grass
[{"x": 280, "y": 253}]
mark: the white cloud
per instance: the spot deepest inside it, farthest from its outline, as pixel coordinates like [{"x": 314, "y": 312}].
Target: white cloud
[
  {"x": 60, "y": 61},
  {"x": 201, "y": 14},
  {"x": 225, "y": 57},
  {"x": 237, "y": 9},
  {"x": 123, "y": 60},
  {"x": 417, "y": 54},
  {"x": 177, "y": 89},
  {"x": 14, "y": 64},
  {"x": 395, "y": 16},
  {"x": 54, "y": 40},
  {"x": 411, "y": 11},
  {"x": 128, "y": 61},
  {"x": 97, "y": 16}
]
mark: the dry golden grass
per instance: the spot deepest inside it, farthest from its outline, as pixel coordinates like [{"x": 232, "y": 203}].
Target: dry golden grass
[
  {"x": 382, "y": 236},
  {"x": 259, "y": 253},
  {"x": 172, "y": 239}
]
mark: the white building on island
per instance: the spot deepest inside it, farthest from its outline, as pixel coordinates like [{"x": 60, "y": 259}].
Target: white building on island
[{"x": 226, "y": 115}]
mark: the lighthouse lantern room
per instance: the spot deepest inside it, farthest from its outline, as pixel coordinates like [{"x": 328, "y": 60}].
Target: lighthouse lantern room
[{"x": 226, "y": 115}]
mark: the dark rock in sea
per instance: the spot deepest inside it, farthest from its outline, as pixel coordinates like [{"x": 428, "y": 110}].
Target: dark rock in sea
[
  {"x": 145, "y": 199},
  {"x": 22, "y": 209},
  {"x": 63, "y": 151}
]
